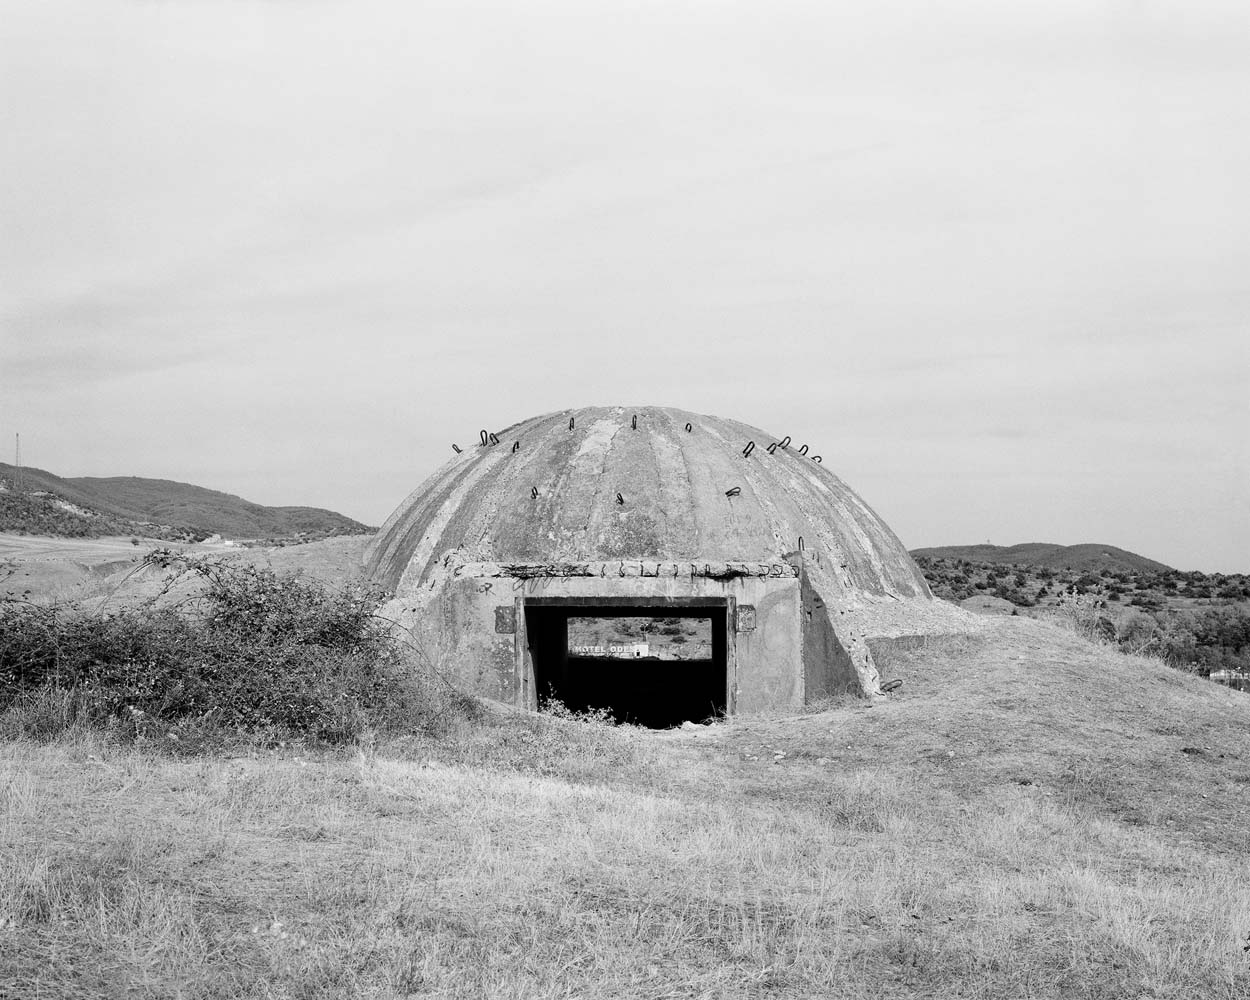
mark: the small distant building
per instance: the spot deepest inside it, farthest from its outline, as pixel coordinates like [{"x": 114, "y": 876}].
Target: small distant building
[
  {"x": 648, "y": 512},
  {"x": 1239, "y": 679}
]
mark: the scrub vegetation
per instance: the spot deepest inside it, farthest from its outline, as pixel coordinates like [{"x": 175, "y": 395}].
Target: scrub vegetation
[
  {"x": 1195, "y": 621},
  {"x": 95, "y": 507},
  {"x": 1029, "y": 815},
  {"x": 245, "y": 653},
  {"x": 35, "y": 514}
]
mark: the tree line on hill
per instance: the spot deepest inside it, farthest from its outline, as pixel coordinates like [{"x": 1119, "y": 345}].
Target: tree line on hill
[
  {"x": 1196, "y": 621},
  {"x": 35, "y": 514},
  {"x": 92, "y": 507}
]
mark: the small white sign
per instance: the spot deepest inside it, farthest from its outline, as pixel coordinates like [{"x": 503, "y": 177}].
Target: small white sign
[{"x": 627, "y": 650}]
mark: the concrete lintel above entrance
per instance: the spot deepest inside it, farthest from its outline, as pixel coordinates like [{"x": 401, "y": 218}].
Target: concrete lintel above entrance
[
  {"x": 607, "y": 606},
  {"x": 779, "y": 570}
]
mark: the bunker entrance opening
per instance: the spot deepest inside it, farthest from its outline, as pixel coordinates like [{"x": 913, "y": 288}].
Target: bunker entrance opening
[{"x": 651, "y": 665}]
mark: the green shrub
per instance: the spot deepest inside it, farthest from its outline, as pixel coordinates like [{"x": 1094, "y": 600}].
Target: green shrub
[
  {"x": 1084, "y": 614},
  {"x": 255, "y": 652}
]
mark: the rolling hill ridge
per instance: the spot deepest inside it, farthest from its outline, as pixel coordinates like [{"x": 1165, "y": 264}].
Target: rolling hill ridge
[
  {"x": 89, "y": 505},
  {"x": 1047, "y": 555}
]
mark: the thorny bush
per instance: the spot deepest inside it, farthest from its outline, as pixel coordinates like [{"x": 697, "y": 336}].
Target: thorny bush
[{"x": 253, "y": 651}]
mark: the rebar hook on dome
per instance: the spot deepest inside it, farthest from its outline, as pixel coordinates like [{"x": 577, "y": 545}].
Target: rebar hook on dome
[
  {"x": 801, "y": 546},
  {"x": 634, "y": 422},
  {"x": 746, "y": 452},
  {"x": 533, "y": 492},
  {"x": 570, "y": 423},
  {"x": 689, "y": 428},
  {"x": 803, "y": 450},
  {"x": 817, "y": 458},
  {"x": 516, "y": 446},
  {"x": 785, "y": 441},
  {"x": 735, "y": 491},
  {"x": 494, "y": 438},
  {"x": 482, "y": 436},
  {"x": 620, "y": 499},
  {"x": 456, "y": 448},
  {"x": 772, "y": 448}
]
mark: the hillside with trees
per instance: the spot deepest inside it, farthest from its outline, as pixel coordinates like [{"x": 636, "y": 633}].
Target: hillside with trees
[
  {"x": 1089, "y": 556},
  {"x": 155, "y": 508},
  {"x": 1193, "y": 620}
]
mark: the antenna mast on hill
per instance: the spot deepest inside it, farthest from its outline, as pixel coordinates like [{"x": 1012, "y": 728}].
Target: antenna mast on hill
[{"x": 17, "y": 484}]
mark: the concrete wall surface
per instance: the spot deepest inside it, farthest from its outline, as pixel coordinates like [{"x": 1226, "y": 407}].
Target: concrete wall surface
[
  {"x": 656, "y": 504},
  {"x": 635, "y": 483},
  {"x": 454, "y": 624}
]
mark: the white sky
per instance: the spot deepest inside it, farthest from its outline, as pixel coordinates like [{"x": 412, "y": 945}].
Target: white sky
[{"x": 991, "y": 259}]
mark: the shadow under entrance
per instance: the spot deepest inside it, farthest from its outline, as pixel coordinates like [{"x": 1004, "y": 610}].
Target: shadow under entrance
[{"x": 650, "y": 664}]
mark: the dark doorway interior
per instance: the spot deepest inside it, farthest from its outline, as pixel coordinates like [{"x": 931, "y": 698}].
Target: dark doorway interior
[{"x": 659, "y": 687}]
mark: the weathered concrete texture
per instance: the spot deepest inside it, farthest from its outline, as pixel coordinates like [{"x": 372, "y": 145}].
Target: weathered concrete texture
[
  {"x": 617, "y": 567},
  {"x": 454, "y": 628},
  {"x": 828, "y": 667},
  {"x": 629, "y": 503},
  {"x": 673, "y": 483}
]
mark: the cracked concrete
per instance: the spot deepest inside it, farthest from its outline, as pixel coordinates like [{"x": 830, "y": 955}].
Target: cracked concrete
[{"x": 632, "y": 489}]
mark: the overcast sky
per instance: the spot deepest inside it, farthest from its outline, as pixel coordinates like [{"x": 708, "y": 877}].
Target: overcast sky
[{"x": 991, "y": 259}]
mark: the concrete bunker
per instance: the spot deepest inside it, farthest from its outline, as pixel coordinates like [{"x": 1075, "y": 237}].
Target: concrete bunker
[{"x": 619, "y": 515}]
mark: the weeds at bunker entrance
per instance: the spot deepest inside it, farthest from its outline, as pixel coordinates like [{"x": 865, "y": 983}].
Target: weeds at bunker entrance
[{"x": 650, "y": 679}]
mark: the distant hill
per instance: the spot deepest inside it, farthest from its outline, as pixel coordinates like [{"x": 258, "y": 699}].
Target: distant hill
[
  {"x": 91, "y": 505},
  {"x": 1085, "y": 558}
]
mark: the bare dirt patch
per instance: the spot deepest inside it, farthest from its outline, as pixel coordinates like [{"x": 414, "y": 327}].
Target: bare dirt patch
[{"x": 110, "y": 569}]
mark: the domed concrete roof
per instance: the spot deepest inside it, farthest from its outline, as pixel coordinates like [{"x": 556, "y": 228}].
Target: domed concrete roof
[{"x": 646, "y": 483}]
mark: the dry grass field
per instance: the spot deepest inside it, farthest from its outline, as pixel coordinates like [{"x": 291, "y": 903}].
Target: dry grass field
[
  {"x": 1028, "y": 816},
  {"x": 108, "y": 571}
]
